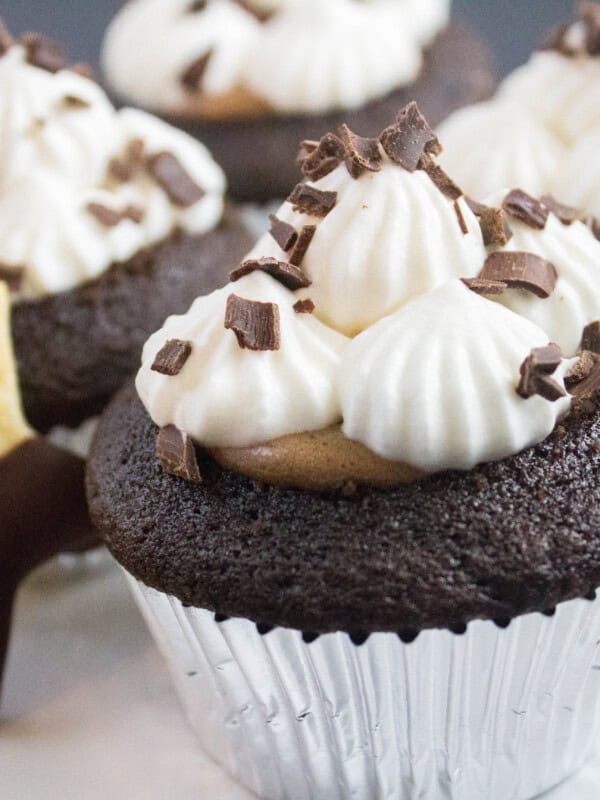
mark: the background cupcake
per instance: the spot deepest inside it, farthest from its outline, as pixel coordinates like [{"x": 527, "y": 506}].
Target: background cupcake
[
  {"x": 253, "y": 78},
  {"x": 378, "y": 336}
]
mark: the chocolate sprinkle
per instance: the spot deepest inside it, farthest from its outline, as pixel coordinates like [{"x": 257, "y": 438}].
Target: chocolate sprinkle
[
  {"x": 361, "y": 154},
  {"x": 284, "y": 234},
  {"x": 482, "y": 286},
  {"x": 566, "y": 214},
  {"x": 440, "y": 178},
  {"x": 172, "y": 357},
  {"x": 12, "y": 276},
  {"x": 306, "y": 236},
  {"x": 591, "y": 337},
  {"x": 494, "y": 227},
  {"x": 536, "y": 372},
  {"x": 460, "y": 217},
  {"x": 409, "y": 138},
  {"x": 527, "y": 209},
  {"x": 177, "y": 455},
  {"x": 6, "y": 39},
  {"x": 322, "y": 159},
  {"x": 45, "y": 53},
  {"x": 174, "y": 179},
  {"x": 311, "y": 201},
  {"x": 192, "y": 76},
  {"x": 256, "y": 325},
  {"x": 109, "y": 217},
  {"x": 304, "y": 306},
  {"x": 287, "y": 274},
  {"x": 521, "y": 271}
]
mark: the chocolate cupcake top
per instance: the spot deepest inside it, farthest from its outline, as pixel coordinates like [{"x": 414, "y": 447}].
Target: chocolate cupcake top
[
  {"x": 220, "y": 58},
  {"x": 83, "y": 186},
  {"x": 541, "y": 129}
]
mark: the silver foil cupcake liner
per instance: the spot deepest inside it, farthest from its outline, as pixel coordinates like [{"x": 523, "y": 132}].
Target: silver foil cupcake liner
[{"x": 494, "y": 714}]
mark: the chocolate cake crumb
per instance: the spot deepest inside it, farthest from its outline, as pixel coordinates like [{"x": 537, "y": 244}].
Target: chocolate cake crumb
[
  {"x": 494, "y": 226},
  {"x": 591, "y": 337},
  {"x": 284, "y": 234},
  {"x": 192, "y": 76},
  {"x": 13, "y": 276},
  {"x": 408, "y": 139},
  {"x": 172, "y": 357},
  {"x": 460, "y": 217},
  {"x": 287, "y": 274},
  {"x": 322, "y": 159},
  {"x": 45, "y": 53},
  {"x": 306, "y": 236},
  {"x": 521, "y": 271},
  {"x": 527, "y": 209},
  {"x": 483, "y": 286},
  {"x": 256, "y": 325},
  {"x": 566, "y": 214},
  {"x": 361, "y": 154},
  {"x": 174, "y": 179},
  {"x": 536, "y": 372},
  {"x": 440, "y": 178},
  {"x": 177, "y": 455},
  {"x": 304, "y": 306},
  {"x": 311, "y": 201}
]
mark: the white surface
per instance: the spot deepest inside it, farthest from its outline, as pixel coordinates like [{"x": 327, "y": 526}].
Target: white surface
[{"x": 89, "y": 713}]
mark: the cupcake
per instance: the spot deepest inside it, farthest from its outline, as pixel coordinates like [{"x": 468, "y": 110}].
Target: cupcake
[
  {"x": 108, "y": 222},
  {"x": 539, "y": 130},
  {"x": 356, "y": 490},
  {"x": 251, "y": 78}
]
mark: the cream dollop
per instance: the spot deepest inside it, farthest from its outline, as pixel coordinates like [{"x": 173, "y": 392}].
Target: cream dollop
[
  {"x": 391, "y": 235},
  {"x": 359, "y": 50},
  {"x": 434, "y": 385},
  {"x": 58, "y": 135},
  {"x": 226, "y": 396}
]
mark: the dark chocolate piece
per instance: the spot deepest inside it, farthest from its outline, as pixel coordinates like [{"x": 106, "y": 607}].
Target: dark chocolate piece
[
  {"x": 594, "y": 225},
  {"x": 440, "y": 178},
  {"x": 527, "y": 209},
  {"x": 261, "y": 14},
  {"x": 197, "y": 5},
  {"x": 45, "y": 53},
  {"x": 286, "y": 273},
  {"x": 13, "y": 276},
  {"x": 255, "y": 324},
  {"x": 124, "y": 169},
  {"x": 361, "y": 153},
  {"x": 566, "y": 214},
  {"x": 174, "y": 179},
  {"x": 410, "y": 138},
  {"x": 591, "y": 337},
  {"x": 74, "y": 103},
  {"x": 536, "y": 372},
  {"x": 192, "y": 76},
  {"x": 306, "y": 236},
  {"x": 284, "y": 234},
  {"x": 494, "y": 227},
  {"x": 176, "y": 452},
  {"x": 109, "y": 217},
  {"x": 589, "y": 14},
  {"x": 6, "y": 38},
  {"x": 304, "y": 306},
  {"x": 477, "y": 208},
  {"x": 460, "y": 217},
  {"x": 172, "y": 357},
  {"x": 521, "y": 271},
  {"x": 322, "y": 159},
  {"x": 311, "y": 201},
  {"x": 483, "y": 286}
]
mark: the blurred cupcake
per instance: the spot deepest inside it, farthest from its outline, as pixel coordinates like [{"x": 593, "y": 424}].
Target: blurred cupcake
[
  {"x": 353, "y": 445},
  {"x": 539, "y": 130},
  {"x": 108, "y": 221},
  {"x": 252, "y": 78}
]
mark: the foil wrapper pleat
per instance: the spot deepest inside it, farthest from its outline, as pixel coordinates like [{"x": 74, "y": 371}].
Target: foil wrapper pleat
[{"x": 494, "y": 714}]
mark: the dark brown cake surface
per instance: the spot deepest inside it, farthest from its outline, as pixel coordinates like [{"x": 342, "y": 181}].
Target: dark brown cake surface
[
  {"x": 258, "y": 155},
  {"x": 507, "y": 538},
  {"x": 76, "y": 348}
]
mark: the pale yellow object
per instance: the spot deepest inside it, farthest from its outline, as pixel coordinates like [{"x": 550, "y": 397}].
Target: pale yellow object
[{"x": 13, "y": 428}]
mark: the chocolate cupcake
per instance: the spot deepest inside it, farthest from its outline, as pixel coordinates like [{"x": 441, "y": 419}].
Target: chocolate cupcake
[
  {"x": 541, "y": 129},
  {"x": 108, "y": 222},
  {"x": 251, "y": 78},
  {"x": 383, "y": 434}
]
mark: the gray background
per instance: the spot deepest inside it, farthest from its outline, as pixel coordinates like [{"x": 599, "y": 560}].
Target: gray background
[{"x": 513, "y": 27}]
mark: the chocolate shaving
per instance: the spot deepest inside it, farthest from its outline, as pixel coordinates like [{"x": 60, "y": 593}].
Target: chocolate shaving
[
  {"x": 171, "y": 358},
  {"x": 527, "y": 209},
  {"x": 45, "y": 53},
  {"x": 521, "y": 271},
  {"x": 362, "y": 154},
  {"x": 12, "y": 276},
  {"x": 591, "y": 337},
  {"x": 174, "y": 179},
  {"x": 482, "y": 286},
  {"x": 177, "y": 455},
  {"x": 324, "y": 158},
  {"x": 124, "y": 169},
  {"x": 304, "y": 306},
  {"x": 440, "y": 178},
  {"x": 494, "y": 226},
  {"x": 6, "y": 39},
  {"x": 558, "y": 40},
  {"x": 261, "y": 14},
  {"x": 536, "y": 372},
  {"x": 581, "y": 369},
  {"x": 71, "y": 101},
  {"x": 566, "y": 214},
  {"x": 410, "y": 138},
  {"x": 306, "y": 236},
  {"x": 287, "y": 274},
  {"x": 110, "y": 218},
  {"x": 307, "y": 147},
  {"x": 256, "y": 325},
  {"x": 594, "y": 225},
  {"x": 311, "y": 201},
  {"x": 284, "y": 234},
  {"x": 460, "y": 217},
  {"x": 477, "y": 208},
  {"x": 589, "y": 14},
  {"x": 192, "y": 76},
  {"x": 196, "y": 6}
]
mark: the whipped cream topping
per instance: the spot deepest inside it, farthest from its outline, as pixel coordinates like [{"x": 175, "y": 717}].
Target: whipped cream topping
[
  {"x": 360, "y": 50},
  {"x": 434, "y": 384},
  {"x": 58, "y": 137}
]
